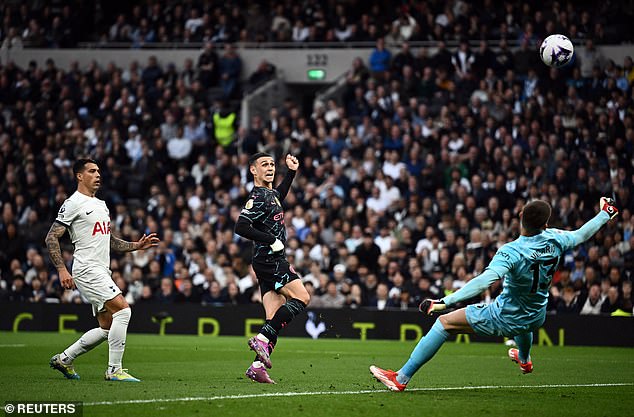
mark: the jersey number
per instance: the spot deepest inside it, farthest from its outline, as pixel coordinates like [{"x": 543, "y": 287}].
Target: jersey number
[{"x": 535, "y": 268}]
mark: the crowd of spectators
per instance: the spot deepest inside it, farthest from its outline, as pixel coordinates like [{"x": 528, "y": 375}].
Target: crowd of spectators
[
  {"x": 407, "y": 185},
  {"x": 66, "y": 23}
]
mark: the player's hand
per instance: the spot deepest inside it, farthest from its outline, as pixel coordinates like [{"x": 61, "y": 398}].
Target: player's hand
[
  {"x": 292, "y": 162},
  {"x": 608, "y": 205},
  {"x": 429, "y": 306},
  {"x": 148, "y": 241},
  {"x": 66, "y": 280},
  {"x": 277, "y": 246}
]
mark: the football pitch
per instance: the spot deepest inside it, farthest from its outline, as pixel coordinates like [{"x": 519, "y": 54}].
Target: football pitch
[{"x": 198, "y": 375}]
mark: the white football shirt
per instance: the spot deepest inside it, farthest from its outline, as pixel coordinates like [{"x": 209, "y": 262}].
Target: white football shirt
[{"x": 88, "y": 222}]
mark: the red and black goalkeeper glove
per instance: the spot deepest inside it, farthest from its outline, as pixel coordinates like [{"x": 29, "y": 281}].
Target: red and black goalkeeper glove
[{"x": 608, "y": 205}]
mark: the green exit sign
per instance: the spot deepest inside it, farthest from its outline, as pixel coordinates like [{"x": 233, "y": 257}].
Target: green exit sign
[{"x": 316, "y": 74}]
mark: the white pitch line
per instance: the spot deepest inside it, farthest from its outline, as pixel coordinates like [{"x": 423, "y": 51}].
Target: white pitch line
[
  {"x": 378, "y": 391},
  {"x": 15, "y": 345}
]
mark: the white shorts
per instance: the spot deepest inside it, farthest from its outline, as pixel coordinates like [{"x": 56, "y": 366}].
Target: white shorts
[{"x": 97, "y": 288}]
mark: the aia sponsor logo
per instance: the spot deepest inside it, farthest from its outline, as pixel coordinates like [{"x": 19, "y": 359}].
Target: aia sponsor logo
[
  {"x": 279, "y": 216},
  {"x": 101, "y": 227}
]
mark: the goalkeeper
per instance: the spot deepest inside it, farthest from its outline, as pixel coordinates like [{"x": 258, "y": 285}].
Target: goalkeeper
[
  {"x": 262, "y": 221},
  {"x": 527, "y": 265}
]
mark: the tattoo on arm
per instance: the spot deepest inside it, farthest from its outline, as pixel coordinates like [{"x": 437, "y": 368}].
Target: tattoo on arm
[
  {"x": 120, "y": 245},
  {"x": 56, "y": 231}
]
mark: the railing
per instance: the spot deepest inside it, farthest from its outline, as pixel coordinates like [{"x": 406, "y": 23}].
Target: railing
[{"x": 291, "y": 45}]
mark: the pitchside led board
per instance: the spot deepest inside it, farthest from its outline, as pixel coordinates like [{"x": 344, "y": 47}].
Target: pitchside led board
[{"x": 318, "y": 323}]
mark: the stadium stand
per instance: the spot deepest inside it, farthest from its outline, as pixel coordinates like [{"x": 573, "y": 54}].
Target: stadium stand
[{"x": 408, "y": 183}]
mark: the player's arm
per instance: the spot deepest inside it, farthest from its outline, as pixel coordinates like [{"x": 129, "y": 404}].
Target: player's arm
[
  {"x": 244, "y": 227},
  {"x": 146, "y": 242},
  {"x": 56, "y": 231},
  {"x": 474, "y": 287},
  {"x": 576, "y": 237},
  {"x": 293, "y": 164},
  {"x": 499, "y": 266}
]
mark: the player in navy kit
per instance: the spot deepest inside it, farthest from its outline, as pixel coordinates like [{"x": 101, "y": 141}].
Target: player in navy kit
[
  {"x": 283, "y": 293},
  {"x": 527, "y": 265}
]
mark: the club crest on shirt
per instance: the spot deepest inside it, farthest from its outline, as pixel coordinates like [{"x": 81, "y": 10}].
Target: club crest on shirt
[{"x": 249, "y": 204}]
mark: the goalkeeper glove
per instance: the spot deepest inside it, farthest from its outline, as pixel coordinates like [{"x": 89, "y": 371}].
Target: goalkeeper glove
[
  {"x": 277, "y": 246},
  {"x": 428, "y": 306},
  {"x": 608, "y": 205}
]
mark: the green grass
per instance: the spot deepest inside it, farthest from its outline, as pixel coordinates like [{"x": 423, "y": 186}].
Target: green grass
[{"x": 212, "y": 370}]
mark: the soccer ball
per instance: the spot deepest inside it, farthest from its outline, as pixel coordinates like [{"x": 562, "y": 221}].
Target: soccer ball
[{"x": 556, "y": 51}]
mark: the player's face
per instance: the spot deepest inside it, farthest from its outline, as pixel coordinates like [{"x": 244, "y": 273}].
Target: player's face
[
  {"x": 90, "y": 177},
  {"x": 263, "y": 171}
]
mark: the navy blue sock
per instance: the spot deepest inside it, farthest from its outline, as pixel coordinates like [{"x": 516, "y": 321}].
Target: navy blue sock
[{"x": 282, "y": 317}]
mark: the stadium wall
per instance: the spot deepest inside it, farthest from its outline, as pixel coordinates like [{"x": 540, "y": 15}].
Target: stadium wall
[
  {"x": 292, "y": 64},
  {"x": 245, "y": 321}
]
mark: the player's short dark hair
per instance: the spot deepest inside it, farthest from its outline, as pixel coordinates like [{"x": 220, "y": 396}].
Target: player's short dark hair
[
  {"x": 80, "y": 165},
  {"x": 257, "y": 156},
  {"x": 535, "y": 215}
]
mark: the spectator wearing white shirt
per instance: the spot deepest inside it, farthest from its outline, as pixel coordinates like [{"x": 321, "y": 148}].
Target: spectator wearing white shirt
[
  {"x": 300, "y": 31},
  {"x": 178, "y": 147},
  {"x": 376, "y": 202},
  {"x": 391, "y": 194},
  {"x": 384, "y": 240},
  {"x": 133, "y": 145},
  {"x": 392, "y": 166},
  {"x": 200, "y": 170},
  {"x": 592, "y": 305},
  {"x": 194, "y": 22}
]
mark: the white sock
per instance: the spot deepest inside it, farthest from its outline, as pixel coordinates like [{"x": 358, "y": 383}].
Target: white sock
[
  {"x": 116, "y": 338},
  {"x": 257, "y": 364},
  {"x": 262, "y": 338},
  {"x": 89, "y": 340}
]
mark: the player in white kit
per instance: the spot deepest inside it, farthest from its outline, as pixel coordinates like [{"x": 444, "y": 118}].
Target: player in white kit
[{"x": 88, "y": 222}]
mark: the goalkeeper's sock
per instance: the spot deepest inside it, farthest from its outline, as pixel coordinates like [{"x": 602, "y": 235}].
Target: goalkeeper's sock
[
  {"x": 524, "y": 343},
  {"x": 423, "y": 352},
  {"x": 282, "y": 317}
]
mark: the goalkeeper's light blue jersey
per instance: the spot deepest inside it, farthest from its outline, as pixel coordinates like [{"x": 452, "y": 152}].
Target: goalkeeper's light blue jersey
[{"x": 527, "y": 265}]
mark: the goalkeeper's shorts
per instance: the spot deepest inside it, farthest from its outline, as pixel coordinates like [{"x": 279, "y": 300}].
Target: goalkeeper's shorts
[{"x": 487, "y": 320}]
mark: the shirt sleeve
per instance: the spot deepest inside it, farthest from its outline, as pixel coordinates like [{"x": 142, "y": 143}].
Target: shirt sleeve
[
  {"x": 253, "y": 209},
  {"x": 67, "y": 213},
  {"x": 285, "y": 185},
  {"x": 569, "y": 240},
  {"x": 500, "y": 265}
]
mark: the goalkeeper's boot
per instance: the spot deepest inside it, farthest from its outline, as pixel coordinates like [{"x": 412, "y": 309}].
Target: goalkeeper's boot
[
  {"x": 120, "y": 375},
  {"x": 68, "y": 370},
  {"x": 388, "y": 378},
  {"x": 526, "y": 367},
  {"x": 259, "y": 374},
  {"x": 261, "y": 349}
]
